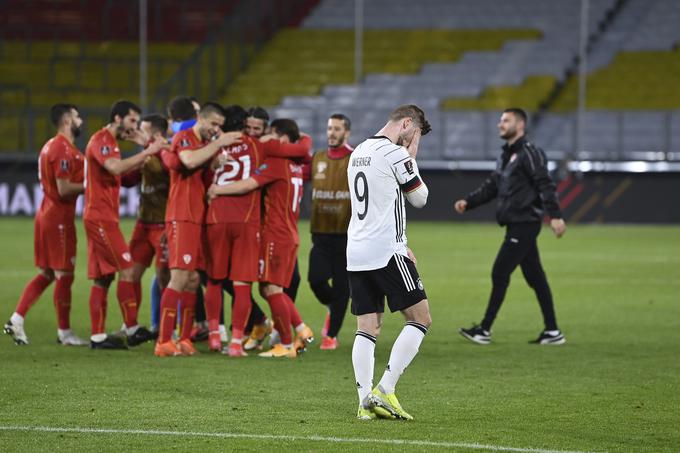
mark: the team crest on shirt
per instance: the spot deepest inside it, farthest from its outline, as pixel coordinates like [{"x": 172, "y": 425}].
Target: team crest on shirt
[
  {"x": 184, "y": 143},
  {"x": 513, "y": 157},
  {"x": 409, "y": 166},
  {"x": 127, "y": 257},
  {"x": 105, "y": 150},
  {"x": 64, "y": 165},
  {"x": 420, "y": 284},
  {"x": 186, "y": 258},
  {"x": 320, "y": 170}
]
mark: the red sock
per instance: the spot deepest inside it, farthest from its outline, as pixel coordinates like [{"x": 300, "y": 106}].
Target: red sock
[
  {"x": 62, "y": 301},
  {"x": 168, "y": 314},
  {"x": 98, "y": 309},
  {"x": 128, "y": 302},
  {"x": 138, "y": 293},
  {"x": 213, "y": 304},
  {"x": 281, "y": 315},
  {"x": 188, "y": 314},
  {"x": 32, "y": 293},
  {"x": 295, "y": 317},
  {"x": 240, "y": 311}
]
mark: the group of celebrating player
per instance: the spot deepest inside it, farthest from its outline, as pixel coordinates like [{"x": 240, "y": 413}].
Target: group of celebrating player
[{"x": 219, "y": 205}]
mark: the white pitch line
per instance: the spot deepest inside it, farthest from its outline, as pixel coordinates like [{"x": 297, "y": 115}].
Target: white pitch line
[{"x": 419, "y": 443}]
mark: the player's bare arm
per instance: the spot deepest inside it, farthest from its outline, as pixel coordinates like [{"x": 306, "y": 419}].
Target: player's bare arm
[
  {"x": 193, "y": 159},
  {"x": 68, "y": 189},
  {"x": 119, "y": 166},
  {"x": 221, "y": 159},
  {"x": 236, "y": 188}
]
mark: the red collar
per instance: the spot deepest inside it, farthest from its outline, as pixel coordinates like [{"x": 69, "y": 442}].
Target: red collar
[{"x": 339, "y": 153}]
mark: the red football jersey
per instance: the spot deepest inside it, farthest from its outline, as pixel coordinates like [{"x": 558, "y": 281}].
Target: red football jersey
[
  {"x": 59, "y": 159},
  {"x": 101, "y": 187},
  {"x": 186, "y": 200},
  {"x": 283, "y": 195},
  {"x": 247, "y": 156}
]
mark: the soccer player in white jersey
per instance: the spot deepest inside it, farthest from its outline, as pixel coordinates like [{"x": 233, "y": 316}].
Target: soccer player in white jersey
[{"x": 381, "y": 173}]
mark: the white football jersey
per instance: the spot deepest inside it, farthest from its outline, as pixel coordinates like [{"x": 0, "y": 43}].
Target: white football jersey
[{"x": 379, "y": 173}]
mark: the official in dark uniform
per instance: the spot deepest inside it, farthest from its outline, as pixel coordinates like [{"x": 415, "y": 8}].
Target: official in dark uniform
[
  {"x": 525, "y": 192},
  {"x": 331, "y": 211}
]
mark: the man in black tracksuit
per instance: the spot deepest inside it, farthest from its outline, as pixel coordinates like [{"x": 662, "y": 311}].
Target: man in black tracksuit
[{"x": 524, "y": 190}]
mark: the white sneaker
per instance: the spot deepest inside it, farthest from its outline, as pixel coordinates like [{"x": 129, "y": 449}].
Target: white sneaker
[
  {"x": 17, "y": 332},
  {"x": 71, "y": 339}
]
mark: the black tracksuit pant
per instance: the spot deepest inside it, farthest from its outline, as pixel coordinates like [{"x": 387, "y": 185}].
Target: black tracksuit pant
[
  {"x": 520, "y": 249},
  {"x": 328, "y": 262}
]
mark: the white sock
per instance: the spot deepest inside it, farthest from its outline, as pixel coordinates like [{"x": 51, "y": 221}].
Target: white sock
[
  {"x": 363, "y": 361},
  {"x": 98, "y": 337},
  {"x": 62, "y": 333},
  {"x": 224, "y": 335},
  {"x": 131, "y": 330},
  {"x": 17, "y": 319},
  {"x": 404, "y": 350},
  {"x": 552, "y": 332},
  {"x": 299, "y": 328}
]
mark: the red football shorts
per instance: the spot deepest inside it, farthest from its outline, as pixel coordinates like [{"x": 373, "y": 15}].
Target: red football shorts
[
  {"x": 232, "y": 251},
  {"x": 54, "y": 245},
  {"x": 146, "y": 243},
  {"x": 107, "y": 251},
  {"x": 278, "y": 262},
  {"x": 184, "y": 245}
]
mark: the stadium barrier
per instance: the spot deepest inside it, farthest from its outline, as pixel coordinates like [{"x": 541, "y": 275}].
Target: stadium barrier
[{"x": 590, "y": 192}]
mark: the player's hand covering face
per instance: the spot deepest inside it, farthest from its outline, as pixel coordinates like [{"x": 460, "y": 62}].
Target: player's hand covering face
[{"x": 408, "y": 131}]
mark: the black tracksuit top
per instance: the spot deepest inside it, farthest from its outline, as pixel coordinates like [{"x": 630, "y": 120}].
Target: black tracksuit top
[{"x": 522, "y": 184}]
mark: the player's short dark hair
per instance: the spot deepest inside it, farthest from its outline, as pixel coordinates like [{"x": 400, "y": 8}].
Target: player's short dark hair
[
  {"x": 180, "y": 108},
  {"x": 519, "y": 114},
  {"x": 122, "y": 109},
  {"x": 234, "y": 118},
  {"x": 415, "y": 113},
  {"x": 259, "y": 113},
  {"x": 209, "y": 108},
  {"x": 58, "y": 111},
  {"x": 287, "y": 127},
  {"x": 158, "y": 123},
  {"x": 343, "y": 118}
]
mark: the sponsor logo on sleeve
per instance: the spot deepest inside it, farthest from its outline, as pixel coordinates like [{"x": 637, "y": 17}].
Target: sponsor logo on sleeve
[
  {"x": 186, "y": 258},
  {"x": 105, "y": 150},
  {"x": 409, "y": 167},
  {"x": 64, "y": 165},
  {"x": 184, "y": 143}
]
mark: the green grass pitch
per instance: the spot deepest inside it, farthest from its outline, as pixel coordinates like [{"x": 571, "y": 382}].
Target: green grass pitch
[{"x": 615, "y": 385}]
